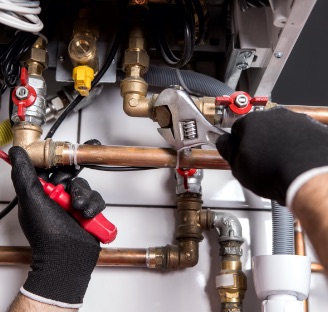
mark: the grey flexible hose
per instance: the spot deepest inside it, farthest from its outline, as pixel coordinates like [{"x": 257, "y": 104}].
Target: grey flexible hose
[
  {"x": 283, "y": 230},
  {"x": 194, "y": 83}
]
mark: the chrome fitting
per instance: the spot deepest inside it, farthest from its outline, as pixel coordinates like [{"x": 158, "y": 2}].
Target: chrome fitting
[{"x": 36, "y": 113}]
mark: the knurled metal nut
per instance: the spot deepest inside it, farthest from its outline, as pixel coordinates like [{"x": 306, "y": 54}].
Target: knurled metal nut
[{"x": 231, "y": 251}]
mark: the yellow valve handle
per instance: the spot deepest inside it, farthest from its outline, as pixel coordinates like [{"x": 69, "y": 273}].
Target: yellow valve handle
[{"x": 83, "y": 76}]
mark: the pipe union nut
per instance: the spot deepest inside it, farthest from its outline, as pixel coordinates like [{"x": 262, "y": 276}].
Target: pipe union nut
[
  {"x": 37, "y": 55},
  {"x": 132, "y": 58}
]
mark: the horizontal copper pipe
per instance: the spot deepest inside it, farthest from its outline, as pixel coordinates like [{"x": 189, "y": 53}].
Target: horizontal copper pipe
[
  {"x": 124, "y": 257},
  {"x": 317, "y": 268},
  {"x": 146, "y": 157},
  {"x": 319, "y": 113}
]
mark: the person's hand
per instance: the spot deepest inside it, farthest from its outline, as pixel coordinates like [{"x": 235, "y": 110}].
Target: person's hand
[
  {"x": 268, "y": 150},
  {"x": 63, "y": 253}
]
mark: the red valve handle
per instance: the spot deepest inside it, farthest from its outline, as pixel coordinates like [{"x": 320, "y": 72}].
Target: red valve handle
[
  {"x": 185, "y": 173},
  {"x": 29, "y": 100},
  {"x": 230, "y": 101}
]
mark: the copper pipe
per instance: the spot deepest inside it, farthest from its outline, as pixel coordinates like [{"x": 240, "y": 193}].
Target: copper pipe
[
  {"x": 300, "y": 250},
  {"x": 145, "y": 157},
  {"x": 124, "y": 257},
  {"x": 317, "y": 268},
  {"x": 319, "y": 113},
  {"x": 299, "y": 239}
]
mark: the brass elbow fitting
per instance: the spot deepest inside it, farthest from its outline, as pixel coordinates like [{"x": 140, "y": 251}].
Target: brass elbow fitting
[
  {"x": 134, "y": 91},
  {"x": 134, "y": 87},
  {"x": 173, "y": 257}
]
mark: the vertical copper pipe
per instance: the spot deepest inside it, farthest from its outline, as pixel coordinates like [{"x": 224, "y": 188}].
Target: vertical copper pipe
[{"x": 300, "y": 250}]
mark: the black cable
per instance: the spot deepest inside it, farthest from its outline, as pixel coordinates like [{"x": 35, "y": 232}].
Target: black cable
[
  {"x": 117, "y": 169},
  {"x": 185, "y": 11},
  {"x": 9, "y": 208},
  {"x": 201, "y": 21}
]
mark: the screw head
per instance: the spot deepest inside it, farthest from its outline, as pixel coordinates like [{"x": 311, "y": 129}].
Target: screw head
[
  {"x": 278, "y": 55},
  {"x": 242, "y": 66},
  {"x": 22, "y": 93},
  {"x": 246, "y": 54},
  {"x": 241, "y": 100}
]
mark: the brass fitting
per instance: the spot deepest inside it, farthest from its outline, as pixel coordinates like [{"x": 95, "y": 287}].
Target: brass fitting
[
  {"x": 173, "y": 257},
  {"x": 189, "y": 234},
  {"x": 207, "y": 106},
  {"x": 28, "y": 136},
  {"x": 231, "y": 282},
  {"x": 83, "y": 52},
  {"x": 36, "y": 58},
  {"x": 134, "y": 87},
  {"x": 134, "y": 91},
  {"x": 43, "y": 153}
]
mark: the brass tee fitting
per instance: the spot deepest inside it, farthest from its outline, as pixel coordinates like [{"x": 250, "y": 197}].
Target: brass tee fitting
[{"x": 28, "y": 136}]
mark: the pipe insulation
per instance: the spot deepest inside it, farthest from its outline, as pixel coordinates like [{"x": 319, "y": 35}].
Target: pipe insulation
[
  {"x": 193, "y": 82},
  {"x": 282, "y": 230}
]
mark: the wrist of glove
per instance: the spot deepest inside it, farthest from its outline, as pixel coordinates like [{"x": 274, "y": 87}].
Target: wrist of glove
[
  {"x": 63, "y": 253},
  {"x": 268, "y": 150}
]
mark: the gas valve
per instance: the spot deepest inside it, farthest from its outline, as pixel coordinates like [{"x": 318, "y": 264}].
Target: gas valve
[
  {"x": 24, "y": 95},
  {"x": 240, "y": 102}
]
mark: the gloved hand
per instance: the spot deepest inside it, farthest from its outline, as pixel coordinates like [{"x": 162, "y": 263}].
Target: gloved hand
[
  {"x": 268, "y": 150},
  {"x": 63, "y": 253}
]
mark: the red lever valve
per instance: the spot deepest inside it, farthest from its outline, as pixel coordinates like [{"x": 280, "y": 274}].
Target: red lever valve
[
  {"x": 185, "y": 173},
  {"x": 24, "y": 95},
  {"x": 240, "y": 102}
]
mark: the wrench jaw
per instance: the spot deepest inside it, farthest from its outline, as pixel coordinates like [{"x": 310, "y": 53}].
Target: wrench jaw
[{"x": 188, "y": 127}]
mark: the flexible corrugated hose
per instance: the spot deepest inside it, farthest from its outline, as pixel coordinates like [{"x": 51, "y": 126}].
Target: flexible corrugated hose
[
  {"x": 282, "y": 230},
  {"x": 194, "y": 83},
  {"x": 6, "y": 134}
]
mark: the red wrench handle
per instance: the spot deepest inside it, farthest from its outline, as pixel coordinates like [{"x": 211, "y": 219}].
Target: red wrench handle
[{"x": 98, "y": 226}]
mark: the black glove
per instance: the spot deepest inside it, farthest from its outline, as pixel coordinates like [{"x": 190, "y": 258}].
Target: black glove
[
  {"x": 63, "y": 253},
  {"x": 268, "y": 150}
]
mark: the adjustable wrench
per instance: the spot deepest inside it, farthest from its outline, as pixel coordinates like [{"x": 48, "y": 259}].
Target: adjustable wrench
[{"x": 188, "y": 127}]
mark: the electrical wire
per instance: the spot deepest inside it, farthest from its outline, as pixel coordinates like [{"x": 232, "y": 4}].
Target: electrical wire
[
  {"x": 9, "y": 208},
  {"x": 10, "y": 56},
  {"x": 21, "y": 15},
  {"x": 185, "y": 10},
  {"x": 117, "y": 169},
  {"x": 201, "y": 21}
]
